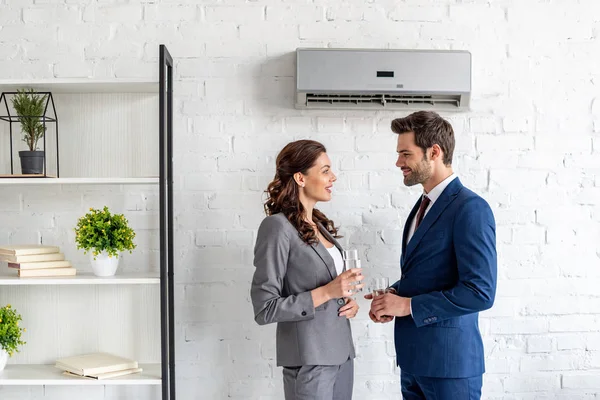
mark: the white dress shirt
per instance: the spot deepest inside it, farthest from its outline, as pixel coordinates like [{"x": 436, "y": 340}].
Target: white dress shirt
[
  {"x": 337, "y": 258},
  {"x": 433, "y": 195}
]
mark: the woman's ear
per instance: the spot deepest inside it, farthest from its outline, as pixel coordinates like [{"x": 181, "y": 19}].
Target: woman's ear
[{"x": 299, "y": 178}]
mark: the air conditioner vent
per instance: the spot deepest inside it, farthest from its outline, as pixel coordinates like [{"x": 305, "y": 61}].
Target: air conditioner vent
[{"x": 383, "y": 100}]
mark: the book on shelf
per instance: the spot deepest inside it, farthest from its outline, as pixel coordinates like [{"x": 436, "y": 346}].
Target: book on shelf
[
  {"x": 106, "y": 375},
  {"x": 41, "y": 265},
  {"x": 32, "y": 258},
  {"x": 30, "y": 273},
  {"x": 95, "y": 363},
  {"x": 27, "y": 249}
]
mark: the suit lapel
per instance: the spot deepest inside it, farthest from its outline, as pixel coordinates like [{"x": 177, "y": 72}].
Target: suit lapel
[
  {"x": 447, "y": 196},
  {"x": 324, "y": 254},
  {"x": 407, "y": 226}
]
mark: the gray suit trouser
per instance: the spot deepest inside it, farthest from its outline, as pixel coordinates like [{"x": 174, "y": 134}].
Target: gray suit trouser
[{"x": 319, "y": 382}]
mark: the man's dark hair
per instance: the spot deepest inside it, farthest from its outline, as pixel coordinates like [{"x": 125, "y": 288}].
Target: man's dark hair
[{"x": 429, "y": 129}]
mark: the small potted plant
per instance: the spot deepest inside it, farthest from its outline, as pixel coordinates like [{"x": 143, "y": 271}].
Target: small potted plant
[
  {"x": 30, "y": 107},
  {"x": 10, "y": 333},
  {"x": 105, "y": 236}
]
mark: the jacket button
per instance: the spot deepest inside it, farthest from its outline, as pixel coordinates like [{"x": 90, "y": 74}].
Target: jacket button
[
  {"x": 341, "y": 302},
  {"x": 304, "y": 313}
]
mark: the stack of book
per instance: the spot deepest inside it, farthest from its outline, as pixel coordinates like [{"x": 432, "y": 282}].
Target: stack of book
[
  {"x": 97, "y": 366},
  {"x": 32, "y": 260}
]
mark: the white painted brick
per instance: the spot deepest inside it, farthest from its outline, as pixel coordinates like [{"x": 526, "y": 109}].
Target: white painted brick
[
  {"x": 330, "y": 125},
  {"x": 45, "y": 13},
  {"x": 238, "y": 14},
  {"x": 235, "y": 200},
  {"x": 539, "y": 344},
  {"x": 517, "y": 124},
  {"x": 206, "y": 220},
  {"x": 505, "y": 142},
  {"x": 377, "y": 143},
  {"x": 355, "y": 13},
  {"x": 523, "y": 383},
  {"x": 235, "y": 48},
  {"x": 529, "y": 234},
  {"x": 171, "y": 13},
  {"x": 538, "y": 160},
  {"x": 285, "y": 31},
  {"x": 240, "y": 238},
  {"x": 208, "y": 144},
  {"x": 352, "y": 181},
  {"x": 581, "y": 380},
  {"x": 574, "y": 323},
  {"x": 290, "y": 14},
  {"x": 210, "y": 182},
  {"x": 10, "y": 16},
  {"x": 583, "y": 161},
  {"x": 118, "y": 13},
  {"x": 570, "y": 342},
  {"x": 419, "y": 13},
  {"x": 524, "y": 179},
  {"x": 557, "y": 144},
  {"x": 588, "y": 196},
  {"x": 367, "y": 162},
  {"x": 353, "y": 201},
  {"x": 245, "y": 162},
  {"x": 251, "y": 219},
  {"x": 507, "y": 326},
  {"x": 483, "y": 125},
  {"x": 552, "y": 362}
]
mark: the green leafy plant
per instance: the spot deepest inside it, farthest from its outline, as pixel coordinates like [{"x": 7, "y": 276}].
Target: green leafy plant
[
  {"x": 99, "y": 230},
  {"x": 30, "y": 106},
  {"x": 10, "y": 331}
]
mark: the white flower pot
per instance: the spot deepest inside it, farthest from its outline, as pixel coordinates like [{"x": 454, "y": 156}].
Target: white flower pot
[
  {"x": 3, "y": 358},
  {"x": 104, "y": 265}
]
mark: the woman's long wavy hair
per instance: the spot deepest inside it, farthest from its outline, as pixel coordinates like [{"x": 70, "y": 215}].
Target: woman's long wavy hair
[{"x": 283, "y": 192}]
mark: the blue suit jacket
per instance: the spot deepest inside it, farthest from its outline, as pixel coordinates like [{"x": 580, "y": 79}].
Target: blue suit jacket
[{"x": 449, "y": 270}]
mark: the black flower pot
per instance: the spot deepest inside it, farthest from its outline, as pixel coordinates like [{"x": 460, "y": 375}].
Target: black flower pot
[{"x": 32, "y": 162}]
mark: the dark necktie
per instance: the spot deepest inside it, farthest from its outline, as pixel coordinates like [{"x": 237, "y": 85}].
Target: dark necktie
[{"x": 424, "y": 203}]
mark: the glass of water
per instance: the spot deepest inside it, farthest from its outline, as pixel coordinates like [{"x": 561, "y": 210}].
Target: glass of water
[
  {"x": 378, "y": 286},
  {"x": 351, "y": 260}
]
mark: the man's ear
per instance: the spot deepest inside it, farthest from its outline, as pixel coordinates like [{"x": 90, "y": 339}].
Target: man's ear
[{"x": 436, "y": 152}]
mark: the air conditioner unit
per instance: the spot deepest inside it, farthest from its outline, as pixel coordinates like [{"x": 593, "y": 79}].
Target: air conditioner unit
[{"x": 383, "y": 79}]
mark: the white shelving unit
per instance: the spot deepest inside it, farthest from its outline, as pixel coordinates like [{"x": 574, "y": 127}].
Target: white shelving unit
[
  {"x": 21, "y": 375},
  {"x": 111, "y": 132},
  {"x": 79, "y": 181},
  {"x": 82, "y": 278}
]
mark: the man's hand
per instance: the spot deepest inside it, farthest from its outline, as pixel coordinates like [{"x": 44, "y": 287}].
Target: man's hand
[
  {"x": 383, "y": 320},
  {"x": 350, "y": 309},
  {"x": 389, "y": 305}
]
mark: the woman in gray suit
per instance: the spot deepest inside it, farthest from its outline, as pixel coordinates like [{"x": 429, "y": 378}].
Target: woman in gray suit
[{"x": 300, "y": 282}]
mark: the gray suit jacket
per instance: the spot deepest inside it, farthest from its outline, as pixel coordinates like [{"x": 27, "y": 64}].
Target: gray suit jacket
[{"x": 287, "y": 269}]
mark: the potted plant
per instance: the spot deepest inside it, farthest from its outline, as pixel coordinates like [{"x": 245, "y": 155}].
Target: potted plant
[
  {"x": 10, "y": 333},
  {"x": 105, "y": 235},
  {"x": 30, "y": 108}
]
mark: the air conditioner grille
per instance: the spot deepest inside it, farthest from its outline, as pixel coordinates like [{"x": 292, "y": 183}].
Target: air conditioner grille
[{"x": 383, "y": 99}]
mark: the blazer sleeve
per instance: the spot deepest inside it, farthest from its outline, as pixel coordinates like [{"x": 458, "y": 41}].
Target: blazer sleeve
[
  {"x": 271, "y": 254},
  {"x": 475, "y": 247}
]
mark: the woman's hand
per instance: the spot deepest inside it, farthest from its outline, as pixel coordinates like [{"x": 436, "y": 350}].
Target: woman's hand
[
  {"x": 350, "y": 309},
  {"x": 345, "y": 284}
]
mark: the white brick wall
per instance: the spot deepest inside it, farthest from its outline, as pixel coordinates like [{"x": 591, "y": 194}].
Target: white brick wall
[{"x": 529, "y": 146}]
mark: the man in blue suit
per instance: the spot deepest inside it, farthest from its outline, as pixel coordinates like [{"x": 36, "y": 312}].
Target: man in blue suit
[{"x": 448, "y": 267}]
